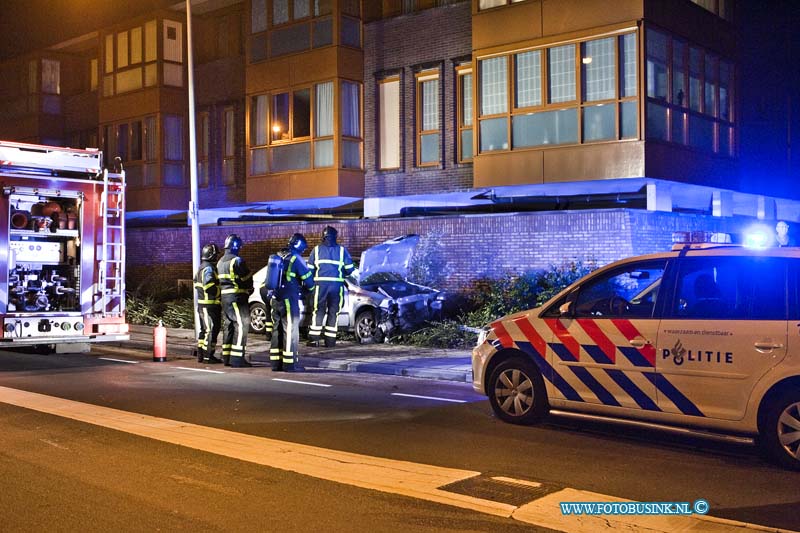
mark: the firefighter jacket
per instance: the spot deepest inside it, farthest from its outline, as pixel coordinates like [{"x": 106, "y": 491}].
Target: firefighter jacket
[
  {"x": 295, "y": 275},
  {"x": 330, "y": 263},
  {"x": 206, "y": 284},
  {"x": 234, "y": 276}
]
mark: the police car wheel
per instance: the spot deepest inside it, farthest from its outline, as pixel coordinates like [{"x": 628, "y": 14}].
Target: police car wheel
[
  {"x": 258, "y": 317},
  {"x": 516, "y": 392},
  {"x": 780, "y": 437}
]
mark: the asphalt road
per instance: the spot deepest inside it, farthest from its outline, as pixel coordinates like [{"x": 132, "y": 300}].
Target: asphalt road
[{"x": 63, "y": 474}]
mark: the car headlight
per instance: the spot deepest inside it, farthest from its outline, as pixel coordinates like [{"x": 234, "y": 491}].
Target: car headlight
[{"x": 482, "y": 335}]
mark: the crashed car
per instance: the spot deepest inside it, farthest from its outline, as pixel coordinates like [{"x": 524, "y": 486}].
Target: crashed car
[{"x": 378, "y": 301}]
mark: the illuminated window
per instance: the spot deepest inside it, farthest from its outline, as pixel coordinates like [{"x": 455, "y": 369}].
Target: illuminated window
[
  {"x": 389, "y": 123},
  {"x": 428, "y": 128},
  {"x": 494, "y": 101},
  {"x": 351, "y": 124},
  {"x": 488, "y": 4}
]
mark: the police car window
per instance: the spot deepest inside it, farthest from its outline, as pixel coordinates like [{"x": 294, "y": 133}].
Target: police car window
[
  {"x": 630, "y": 291},
  {"x": 733, "y": 288}
]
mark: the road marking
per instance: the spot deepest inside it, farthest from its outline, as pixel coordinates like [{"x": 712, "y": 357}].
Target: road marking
[
  {"x": 118, "y": 360},
  {"x": 199, "y": 370},
  {"x": 428, "y": 397},
  {"x": 404, "y": 478},
  {"x": 301, "y": 382}
]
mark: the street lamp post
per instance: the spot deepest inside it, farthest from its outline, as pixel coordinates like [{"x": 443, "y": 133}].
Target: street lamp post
[{"x": 193, "y": 206}]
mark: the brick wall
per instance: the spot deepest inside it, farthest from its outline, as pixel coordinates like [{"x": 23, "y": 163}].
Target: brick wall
[
  {"x": 474, "y": 246},
  {"x": 403, "y": 46}
]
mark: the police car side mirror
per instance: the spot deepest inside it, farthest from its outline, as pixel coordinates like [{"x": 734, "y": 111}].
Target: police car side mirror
[{"x": 565, "y": 309}]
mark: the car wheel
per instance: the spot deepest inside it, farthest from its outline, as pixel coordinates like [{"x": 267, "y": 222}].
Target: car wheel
[
  {"x": 259, "y": 316},
  {"x": 516, "y": 392},
  {"x": 366, "y": 328},
  {"x": 779, "y": 432}
]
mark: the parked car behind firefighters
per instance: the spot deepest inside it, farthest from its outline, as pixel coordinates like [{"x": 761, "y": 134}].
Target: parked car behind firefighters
[{"x": 378, "y": 302}]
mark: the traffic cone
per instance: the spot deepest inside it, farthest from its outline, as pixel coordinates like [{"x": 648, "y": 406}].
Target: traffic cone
[{"x": 159, "y": 343}]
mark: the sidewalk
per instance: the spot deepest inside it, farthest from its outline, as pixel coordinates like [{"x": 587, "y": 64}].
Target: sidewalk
[{"x": 347, "y": 356}]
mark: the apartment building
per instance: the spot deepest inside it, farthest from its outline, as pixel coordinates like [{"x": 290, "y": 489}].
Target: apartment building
[{"x": 390, "y": 107}]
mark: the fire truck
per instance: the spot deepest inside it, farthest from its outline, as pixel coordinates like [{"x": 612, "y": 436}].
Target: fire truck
[{"x": 62, "y": 248}]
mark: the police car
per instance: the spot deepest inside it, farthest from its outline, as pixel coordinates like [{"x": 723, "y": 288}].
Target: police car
[{"x": 706, "y": 336}]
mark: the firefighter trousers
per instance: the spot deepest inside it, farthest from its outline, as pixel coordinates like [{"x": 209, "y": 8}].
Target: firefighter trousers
[
  {"x": 328, "y": 301},
  {"x": 210, "y": 317},
  {"x": 286, "y": 333},
  {"x": 236, "y": 312}
]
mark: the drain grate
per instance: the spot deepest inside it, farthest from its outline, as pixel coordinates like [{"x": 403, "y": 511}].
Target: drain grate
[{"x": 501, "y": 489}]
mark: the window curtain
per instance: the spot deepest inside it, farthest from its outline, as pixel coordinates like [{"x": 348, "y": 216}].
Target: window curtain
[
  {"x": 259, "y": 121},
  {"x": 351, "y": 124},
  {"x": 324, "y": 110},
  {"x": 173, "y": 138},
  {"x": 280, "y": 11},
  {"x": 51, "y": 76}
]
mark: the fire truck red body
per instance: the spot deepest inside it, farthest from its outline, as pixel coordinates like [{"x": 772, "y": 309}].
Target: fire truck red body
[{"x": 62, "y": 248}]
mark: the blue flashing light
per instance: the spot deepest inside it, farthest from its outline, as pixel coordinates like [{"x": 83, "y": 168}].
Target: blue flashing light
[{"x": 758, "y": 237}]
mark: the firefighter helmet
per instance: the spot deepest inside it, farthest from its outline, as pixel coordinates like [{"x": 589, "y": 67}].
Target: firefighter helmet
[
  {"x": 233, "y": 243},
  {"x": 210, "y": 252},
  {"x": 329, "y": 235},
  {"x": 297, "y": 243}
]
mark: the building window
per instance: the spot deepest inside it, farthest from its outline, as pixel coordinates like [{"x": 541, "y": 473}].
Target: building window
[
  {"x": 528, "y": 79},
  {"x": 494, "y": 101},
  {"x": 323, "y": 125},
  {"x": 51, "y": 76},
  {"x": 203, "y": 149},
  {"x": 465, "y": 113},
  {"x": 697, "y": 110},
  {"x": 173, "y": 151},
  {"x": 428, "y": 128},
  {"x": 389, "y": 123},
  {"x": 351, "y": 125},
  {"x": 718, "y": 7},
  {"x": 561, "y": 74},
  {"x": 228, "y": 146},
  {"x": 93, "y": 74},
  {"x": 281, "y": 136},
  {"x": 130, "y": 59},
  {"x": 259, "y": 126},
  {"x": 543, "y": 108}
]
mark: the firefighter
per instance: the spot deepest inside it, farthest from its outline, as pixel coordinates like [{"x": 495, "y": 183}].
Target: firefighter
[
  {"x": 285, "y": 305},
  {"x": 236, "y": 283},
  {"x": 206, "y": 286},
  {"x": 330, "y": 262}
]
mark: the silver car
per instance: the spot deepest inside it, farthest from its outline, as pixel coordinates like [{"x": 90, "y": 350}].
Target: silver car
[{"x": 378, "y": 301}]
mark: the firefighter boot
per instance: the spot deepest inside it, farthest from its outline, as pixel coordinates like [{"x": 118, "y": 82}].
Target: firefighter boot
[
  {"x": 210, "y": 359},
  {"x": 226, "y": 359},
  {"x": 200, "y": 353}
]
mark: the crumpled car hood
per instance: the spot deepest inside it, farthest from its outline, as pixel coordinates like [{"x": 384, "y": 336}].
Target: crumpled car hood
[{"x": 393, "y": 255}]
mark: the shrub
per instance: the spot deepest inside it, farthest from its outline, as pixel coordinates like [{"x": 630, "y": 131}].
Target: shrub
[
  {"x": 179, "y": 314},
  {"x": 492, "y": 299}
]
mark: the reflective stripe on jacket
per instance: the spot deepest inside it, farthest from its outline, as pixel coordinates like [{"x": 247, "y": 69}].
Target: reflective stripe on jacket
[
  {"x": 206, "y": 284},
  {"x": 330, "y": 263},
  {"x": 234, "y": 276}
]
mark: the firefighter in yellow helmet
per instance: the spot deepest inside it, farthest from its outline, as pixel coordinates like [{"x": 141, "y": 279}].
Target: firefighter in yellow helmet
[{"x": 236, "y": 282}]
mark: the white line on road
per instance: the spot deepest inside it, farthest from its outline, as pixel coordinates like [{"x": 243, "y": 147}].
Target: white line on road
[
  {"x": 200, "y": 370},
  {"x": 428, "y": 397},
  {"x": 301, "y": 382},
  {"x": 118, "y": 360}
]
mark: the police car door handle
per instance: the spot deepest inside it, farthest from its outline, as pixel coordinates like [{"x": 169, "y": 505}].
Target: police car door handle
[
  {"x": 767, "y": 345},
  {"x": 639, "y": 342}
]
